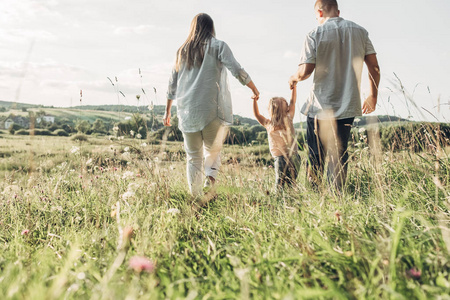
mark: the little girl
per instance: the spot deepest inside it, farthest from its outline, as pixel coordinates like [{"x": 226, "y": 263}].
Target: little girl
[{"x": 282, "y": 138}]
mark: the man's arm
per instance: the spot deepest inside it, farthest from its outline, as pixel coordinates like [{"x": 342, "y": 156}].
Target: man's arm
[
  {"x": 263, "y": 121},
  {"x": 374, "y": 78},
  {"x": 292, "y": 102},
  {"x": 303, "y": 73}
]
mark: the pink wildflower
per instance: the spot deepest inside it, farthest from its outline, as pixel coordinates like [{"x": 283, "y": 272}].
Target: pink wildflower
[
  {"x": 25, "y": 232},
  {"x": 141, "y": 263},
  {"x": 414, "y": 273}
]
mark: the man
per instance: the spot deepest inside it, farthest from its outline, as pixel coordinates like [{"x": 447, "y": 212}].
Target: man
[{"x": 335, "y": 51}]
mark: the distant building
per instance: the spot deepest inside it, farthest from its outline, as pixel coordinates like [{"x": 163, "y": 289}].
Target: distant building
[
  {"x": 8, "y": 123},
  {"x": 19, "y": 120},
  {"x": 46, "y": 118}
]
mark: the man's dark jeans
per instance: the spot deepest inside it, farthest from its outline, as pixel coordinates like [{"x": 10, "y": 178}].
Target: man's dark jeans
[{"x": 328, "y": 138}]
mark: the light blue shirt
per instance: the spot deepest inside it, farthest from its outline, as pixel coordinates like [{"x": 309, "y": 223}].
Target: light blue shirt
[
  {"x": 337, "y": 48},
  {"x": 202, "y": 93}
]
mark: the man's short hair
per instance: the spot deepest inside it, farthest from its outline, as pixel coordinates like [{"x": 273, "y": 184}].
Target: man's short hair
[{"x": 327, "y": 5}]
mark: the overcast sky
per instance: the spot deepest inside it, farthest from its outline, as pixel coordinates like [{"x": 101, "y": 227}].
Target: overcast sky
[{"x": 50, "y": 49}]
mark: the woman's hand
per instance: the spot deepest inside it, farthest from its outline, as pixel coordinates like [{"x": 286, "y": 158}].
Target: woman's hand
[
  {"x": 166, "y": 119},
  {"x": 255, "y": 95},
  {"x": 255, "y": 91}
]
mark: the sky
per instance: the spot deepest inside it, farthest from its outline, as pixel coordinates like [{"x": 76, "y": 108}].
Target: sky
[{"x": 52, "y": 49}]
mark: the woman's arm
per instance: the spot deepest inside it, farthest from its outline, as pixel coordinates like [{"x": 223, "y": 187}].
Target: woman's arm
[
  {"x": 263, "y": 121},
  {"x": 255, "y": 91},
  {"x": 226, "y": 57},
  {"x": 292, "y": 102},
  {"x": 167, "y": 114}
]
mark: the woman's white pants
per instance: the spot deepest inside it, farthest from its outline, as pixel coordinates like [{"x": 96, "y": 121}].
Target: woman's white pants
[{"x": 207, "y": 143}]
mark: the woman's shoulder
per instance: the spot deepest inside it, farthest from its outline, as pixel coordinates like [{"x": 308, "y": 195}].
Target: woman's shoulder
[{"x": 216, "y": 43}]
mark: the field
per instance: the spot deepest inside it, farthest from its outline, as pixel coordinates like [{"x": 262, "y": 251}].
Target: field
[{"x": 113, "y": 219}]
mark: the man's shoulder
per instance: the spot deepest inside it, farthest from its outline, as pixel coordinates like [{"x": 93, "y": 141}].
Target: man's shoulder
[{"x": 350, "y": 24}]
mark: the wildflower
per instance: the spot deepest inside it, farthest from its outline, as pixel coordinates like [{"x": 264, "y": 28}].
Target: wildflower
[
  {"x": 120, "y": 138},
  {"x": 337, "y": 214},
  {"x": 173, "y": 211},
  {"x": 128, "y": 195},
  {"x": 362, "y": 130},
  {"x": 144, "y": 144},
  {"x": 75, "y": 150},
  {"x": 25, "y": 232},
  {"x": 128, "y": 175},
  {"x": 133, "y": 187},
  {"x": 132, "y": 132},
  {"x": 140, "y": 263},
  {"x": 139, "y": 136},
  {"x": 414, "y": 273},
  {"x": 127, "y": 149},
  {"x": 89, "y": 162},
  {"x": 156, "y": 159}
]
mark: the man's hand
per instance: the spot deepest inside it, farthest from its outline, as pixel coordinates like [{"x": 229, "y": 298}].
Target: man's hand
[
  {"x": 293, "y": 82},
  {"x": 369, "y": 105},
  {"x": 166, "y": 119}
]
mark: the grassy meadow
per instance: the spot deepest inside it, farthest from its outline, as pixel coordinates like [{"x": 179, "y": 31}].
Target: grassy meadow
[{"x": 113, "y": 219}]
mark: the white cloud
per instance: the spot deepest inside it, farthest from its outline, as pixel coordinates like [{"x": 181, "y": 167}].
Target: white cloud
[
  {"x": 24, "y": 11},
  {"x": 140, "y": 29},
  {"x": 24, "y": 35},
  {"x": 291, "y": 54}
]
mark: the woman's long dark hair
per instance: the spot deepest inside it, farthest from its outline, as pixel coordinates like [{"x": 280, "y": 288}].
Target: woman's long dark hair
[{"x": 192, "y": 51}]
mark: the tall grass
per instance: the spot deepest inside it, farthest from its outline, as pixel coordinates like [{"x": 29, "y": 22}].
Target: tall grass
[{"x": 66, "y": 225}]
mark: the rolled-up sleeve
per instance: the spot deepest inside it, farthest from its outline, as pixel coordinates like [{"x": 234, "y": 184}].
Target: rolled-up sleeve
[
  {"x": 308, "y": 55},
  {"x": 172, "y": 89},
  {"x": 369, "y": 46},
  {"x": 226, "y": 57}
]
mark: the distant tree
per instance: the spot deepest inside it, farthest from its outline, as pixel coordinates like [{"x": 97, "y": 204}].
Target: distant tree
[
  {"x": 24, "y": 109},
  {"x": 99, "y": 126},
  {"x": 2, "y": 109},
  {"x": 83, "y": 126},
  {"x": 14, "y": 127}
]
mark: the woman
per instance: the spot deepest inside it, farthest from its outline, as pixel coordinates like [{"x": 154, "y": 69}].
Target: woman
[{"x": 200, "y": 87}]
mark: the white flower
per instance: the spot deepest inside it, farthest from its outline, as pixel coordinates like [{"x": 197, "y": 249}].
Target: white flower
[
  {"x": 138, "y": 136},
  {"x": 127, "y": 149},
  {"x": 156, "y": 159},
  {"x": 128, "y": 175},
  {"x": 131, "y": 132},
  {"x": 362, "y": 130},
  {"x": 173, "y": 211},
  {"x": 128, "y": 195},
  {"x": 133, "y": 187},
  {"x": 144, "y": 144},
  {"x": 120, "y": 138},
  {"x": 89, "y": 162},
  {"x": 75, "y": 150}
]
